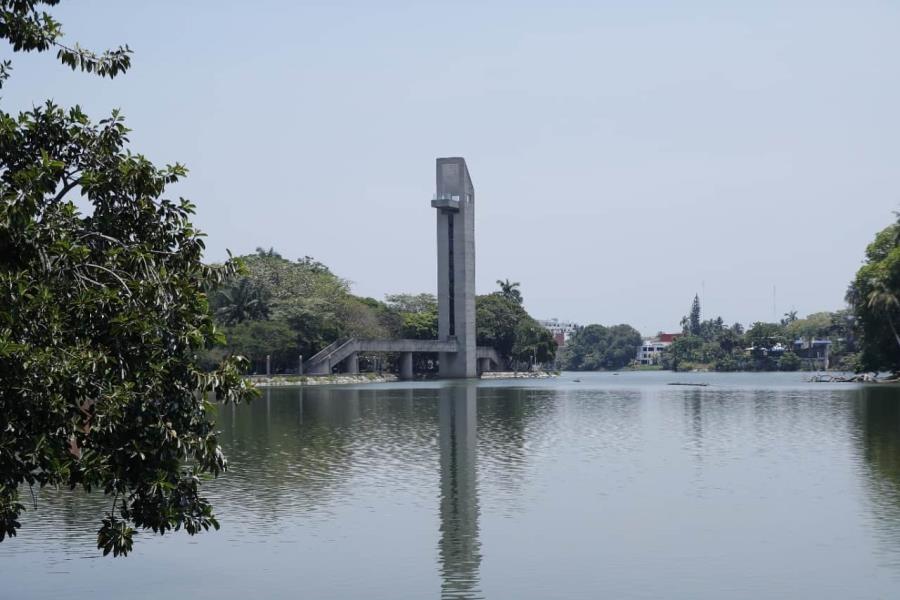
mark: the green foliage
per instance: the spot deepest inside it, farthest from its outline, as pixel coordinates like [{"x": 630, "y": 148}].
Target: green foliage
[
  {"x": 412, "y": 303},
  {"x": 29, "y": 28},
  {"x": 874, "y": 297},
  {"x": 596, "y": 347},
  {"x": 420, "y": 325},
  {"x": 694, "y": 318},
  {"x": 496, "y": 318},
  {"x": 284, "y": 309},
  {"x": 765, "y": 335},
  {"x": 533, "y": 343},
  {"x": 503, "y": 323},
  {"x": 815, "y": 326},
  {"x": 258, "y": 339},
  {"x": 243, "y": 301},
  {"x": 765, "y": 346},
  {"x": 789, "y": 362},
  {"x": 510, "y": 290},
  {"x": 102, "y": 316}
]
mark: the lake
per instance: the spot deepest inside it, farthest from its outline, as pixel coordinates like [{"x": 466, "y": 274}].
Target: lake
[{"x": 614, "y": 486}]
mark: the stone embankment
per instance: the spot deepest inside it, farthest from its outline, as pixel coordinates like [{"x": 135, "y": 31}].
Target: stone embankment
[
  {"x": 518, "y": 375},
  {"x": 860, "y": 378},
  {"x": 344, "y": 379}
]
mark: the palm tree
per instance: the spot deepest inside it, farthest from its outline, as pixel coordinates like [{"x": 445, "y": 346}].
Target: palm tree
[
  {"x": 510, "y": 290},
  {"x": 245, "y": 301},
  {"x": 270, "y": 253},
  {"x": 882, "y": 299}
]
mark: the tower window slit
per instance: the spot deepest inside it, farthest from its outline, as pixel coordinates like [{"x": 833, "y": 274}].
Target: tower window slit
[{"x": 452, "y": 300}]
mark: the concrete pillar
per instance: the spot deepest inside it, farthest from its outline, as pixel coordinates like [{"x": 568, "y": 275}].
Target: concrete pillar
[
  {"x": 300, "y": 365},
  {"x": 352, "y": 364},
  {"x": 268, "y": 365},
  {"x": 406, "y": 365},
  {"x": 484, "y": 365},
  {"x": 455, "y": 204}
]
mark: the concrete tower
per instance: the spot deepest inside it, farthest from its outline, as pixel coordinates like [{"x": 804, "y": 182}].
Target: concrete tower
[{"x": 455, "y": 204}]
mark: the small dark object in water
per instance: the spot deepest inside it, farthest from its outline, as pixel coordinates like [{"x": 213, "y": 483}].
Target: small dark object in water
[
  {"x": 577, "y": 380},
  {"x": 694, "y": 384}
]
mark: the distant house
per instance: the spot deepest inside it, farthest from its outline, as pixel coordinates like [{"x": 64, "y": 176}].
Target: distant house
[
  {"x": 813, "y": 351},
  {"x": 650, "y": 351},
  {"x": 775, "y": 351},
  {"x": 562, "y": 330}
]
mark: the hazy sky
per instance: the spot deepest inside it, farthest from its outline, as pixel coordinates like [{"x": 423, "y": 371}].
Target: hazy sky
[{"x": 625, "y": 155}]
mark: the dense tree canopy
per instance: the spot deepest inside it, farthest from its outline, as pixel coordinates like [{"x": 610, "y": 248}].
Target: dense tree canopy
[
  {"x": 874, "y": 296},
  {"x": 762, "y": 347},
  {"x": 102, "y": 315},
  {"x": 503, "y": 323},
  {"x": 597, "y": 347},
  {"x": 305, "y": 299},
  {"x": 285, "y": 309}
]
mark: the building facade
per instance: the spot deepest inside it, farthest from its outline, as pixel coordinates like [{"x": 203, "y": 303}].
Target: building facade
[
  {"x": 454, "y": 201},
  {"x": 562, "y": 330},
  {"x": 650, "y": 351}
]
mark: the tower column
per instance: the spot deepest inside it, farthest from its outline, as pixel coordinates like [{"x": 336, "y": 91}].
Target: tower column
[
  {"x": 455, "y": 203},
  {"x": 406, "y": 365}
]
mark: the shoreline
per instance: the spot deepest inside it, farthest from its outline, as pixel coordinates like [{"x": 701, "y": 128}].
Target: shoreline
[{"x": 262, "y": 381}]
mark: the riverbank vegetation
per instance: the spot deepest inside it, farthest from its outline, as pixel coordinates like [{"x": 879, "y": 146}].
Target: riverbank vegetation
[
  {"x": 286, "y": 309},
  {"x": 823, "y": 339},
  {"x": 596, "y": 347},
  {"x": 874, "y": 298},
  {"x": 102, "y": 315}
]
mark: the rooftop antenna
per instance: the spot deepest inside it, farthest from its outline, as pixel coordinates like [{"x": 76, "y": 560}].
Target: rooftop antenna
[{"x": 774, "y": 305}]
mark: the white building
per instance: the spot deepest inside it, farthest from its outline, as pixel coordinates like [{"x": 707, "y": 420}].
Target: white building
[
  {"x": 562, "y": 330},
  {"x": 649, "y": 352}
]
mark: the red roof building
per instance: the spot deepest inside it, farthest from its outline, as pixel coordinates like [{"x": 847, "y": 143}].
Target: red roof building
[{"x": 668, "y": 337}]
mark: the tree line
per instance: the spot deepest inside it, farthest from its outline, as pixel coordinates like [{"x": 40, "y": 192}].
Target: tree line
[
  {"x": 284, "y": 309},
  {"x": 787, "y": 345},
  {"x": 862, "y": 337}
]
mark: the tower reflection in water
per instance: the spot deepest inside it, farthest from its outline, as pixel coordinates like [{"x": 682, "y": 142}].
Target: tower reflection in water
[{"x": 459, "y": 548}]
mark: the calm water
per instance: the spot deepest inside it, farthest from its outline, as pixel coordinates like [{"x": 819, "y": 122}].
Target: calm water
[{"x": 618, "y": 486}]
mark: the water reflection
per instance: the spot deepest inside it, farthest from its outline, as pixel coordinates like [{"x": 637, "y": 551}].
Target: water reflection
[
  {"x": 459, "y": 547},
  {"x": 877, "y": 414},
  {"x": 613, "y": 488}
]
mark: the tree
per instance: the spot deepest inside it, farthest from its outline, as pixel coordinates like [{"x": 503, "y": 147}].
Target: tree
[
  {"x": 244, "y": 301},
  {"x": 596, "y": 347},
  {"x": 510, "y": 290},
  {"x": 502, "y": 322},
  {"x": 534, "y": 344},
  {"x": 694, "y": 319},
  {"x": 789, "y": 362},
  {"x": 496, "y": 319},
  {"x": 412, "y": 303},
  {"x": 102, "y": 315},
  {"x": 258, "y": 339},
  {"x": 789, "y": 317},
  {"x": 874, "y": 297},
  {"x": 420, "y": 325},
  {"x": 270, "y": 253},
  {"x": 884, "y": 301},
  {"x": 28, "y": 28}
]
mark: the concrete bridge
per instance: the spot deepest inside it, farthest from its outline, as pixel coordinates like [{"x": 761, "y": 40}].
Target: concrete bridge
[
  {"x": 344, "y": 354},
  {"x": 458, "y": 356}
]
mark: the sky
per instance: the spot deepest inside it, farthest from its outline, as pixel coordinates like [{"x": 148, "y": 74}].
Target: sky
[{"x": 625, "y": 155}]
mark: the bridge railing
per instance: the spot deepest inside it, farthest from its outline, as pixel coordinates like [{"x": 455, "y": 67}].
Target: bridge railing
[{"x": 326, "y": 350}]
